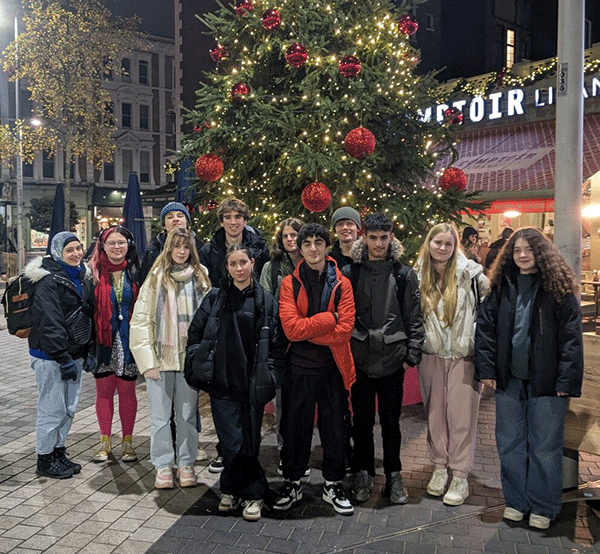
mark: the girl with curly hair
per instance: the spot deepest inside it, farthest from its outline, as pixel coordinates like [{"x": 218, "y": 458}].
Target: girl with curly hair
[
  {"x": 451, "y": 287},
  {"x": 529, "y": 349},
  {"x": 168, "y": 299}
]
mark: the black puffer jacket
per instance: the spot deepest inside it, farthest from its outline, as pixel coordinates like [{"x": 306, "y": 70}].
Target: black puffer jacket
[
  {"x": 154, "y": 249},
  {"x": 556, "y": 354},
  {"x": 55, "y": 299},
  {"x": 212, "y": 254},
  {"x": 203, "y": 341}
]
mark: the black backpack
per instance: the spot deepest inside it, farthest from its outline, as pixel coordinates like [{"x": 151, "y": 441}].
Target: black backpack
[{"x": 17, "y": 301}]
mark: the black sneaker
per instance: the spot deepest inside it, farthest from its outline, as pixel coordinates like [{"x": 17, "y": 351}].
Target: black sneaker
[
  {"x": 60, "y": 453},
  {"x": 290, "y": 493},
  {"x": 49, "y": 466},
  {"x": 394, "y": 488},
  {"x": 335, "y": 495},
  {"x": 280, "y": 470},
  {"x": 217, "y": 465}
]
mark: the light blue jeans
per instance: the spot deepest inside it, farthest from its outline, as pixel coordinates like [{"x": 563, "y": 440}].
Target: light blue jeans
[
  {"x": 172, "y": 390},
  {"x": 57, "y": 404},
  {"x": 529, "y": 437}
]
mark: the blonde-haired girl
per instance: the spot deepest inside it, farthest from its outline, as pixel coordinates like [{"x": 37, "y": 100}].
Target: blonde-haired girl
[
  {"x": 451, "y": 286},
  {"x": 165, "y": 307}
]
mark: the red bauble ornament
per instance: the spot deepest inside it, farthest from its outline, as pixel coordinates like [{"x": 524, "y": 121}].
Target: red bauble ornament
[
  {"x": 211, "y": 205},
  {"x": 243, "y": 7},
  {"x": 209, "y": 167},
  {"x": 218, "y": 54},
  {"x": 271, "y": 19},
  {"x": 453, "y": 178},
  {"x": 453, "y": 115},
  {"x": 359, "y": 143},
  {"x": 296, "y": 55},
  {"x": 407, "y": 25},
  {"x": 239, "y": 91},
  {"x": 350, "y": 66},
  {"x": 316, "y": 197}
]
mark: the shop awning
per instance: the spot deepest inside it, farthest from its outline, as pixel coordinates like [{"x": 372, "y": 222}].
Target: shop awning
[{"x": 520, "y": 157}]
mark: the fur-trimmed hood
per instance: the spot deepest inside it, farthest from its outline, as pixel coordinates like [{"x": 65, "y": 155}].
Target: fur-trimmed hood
[
  {"x": 35, "y": 271},
  {"x": 359, "y": 251}
]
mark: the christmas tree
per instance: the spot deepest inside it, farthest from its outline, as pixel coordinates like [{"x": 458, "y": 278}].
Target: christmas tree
[{"x": 313, "y": 105}]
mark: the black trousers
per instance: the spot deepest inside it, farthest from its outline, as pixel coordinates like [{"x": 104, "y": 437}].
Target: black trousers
[
  {"x": 389, "y": 391},
  {"x": 299, "y": 395}
]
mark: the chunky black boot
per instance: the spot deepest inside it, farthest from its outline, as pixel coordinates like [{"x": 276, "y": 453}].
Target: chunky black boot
[
  {"x": 49, "y": 466},
  {"x": 60, "y": 453}
]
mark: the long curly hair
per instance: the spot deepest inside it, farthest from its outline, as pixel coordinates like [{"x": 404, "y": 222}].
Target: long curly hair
[
  {"x": 435, "y": 287},
  {"x": 557, "y": 277},
  {"x": 278, "y": 251},
  {"x": 166, "y": 265}
]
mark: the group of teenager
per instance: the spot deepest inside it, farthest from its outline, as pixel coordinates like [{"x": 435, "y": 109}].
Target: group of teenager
[{"x": 319, "y": 327}]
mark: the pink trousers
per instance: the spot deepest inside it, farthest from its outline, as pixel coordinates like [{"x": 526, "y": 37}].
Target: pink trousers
[{"x": 451, "y": 400}]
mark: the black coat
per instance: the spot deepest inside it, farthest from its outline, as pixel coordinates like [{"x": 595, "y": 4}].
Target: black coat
[
  {"x": 203, "y": 337},
  {"x": 55, "y": 299},
  {"x": 556, "y": 353},
  {"x": 212, "y": 254}
]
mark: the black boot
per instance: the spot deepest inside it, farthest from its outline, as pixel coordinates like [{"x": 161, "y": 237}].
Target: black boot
[
  {"x": 60, "y": 453},
  {"x": 49, "y": 466}
]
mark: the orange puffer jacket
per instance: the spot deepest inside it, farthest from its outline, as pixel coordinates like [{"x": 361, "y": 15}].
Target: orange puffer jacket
[{"x": 321, "y": 328}]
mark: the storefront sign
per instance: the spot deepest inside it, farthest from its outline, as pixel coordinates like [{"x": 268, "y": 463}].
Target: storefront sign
[
  {"x": 498, "y": 105},
  {"x": 529, "y": 205},
  {"x": 502, "y": 161}
]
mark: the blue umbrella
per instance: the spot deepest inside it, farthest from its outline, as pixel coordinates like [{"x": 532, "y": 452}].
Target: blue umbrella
[
  {"x": 58, "y": 215},
  {"x": 133, "y": 214},
  {"x": 183, "y": 192}
]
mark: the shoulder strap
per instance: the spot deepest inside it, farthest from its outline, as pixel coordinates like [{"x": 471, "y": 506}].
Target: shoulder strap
[
  {"x": 275, "y": 264},
  {"x": 400, "y": 276}
]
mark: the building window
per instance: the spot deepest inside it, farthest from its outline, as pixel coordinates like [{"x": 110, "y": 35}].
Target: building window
[
  {"x": 510, "y": 48},
  {"x": 144, "y": 166},
  {"x": 144, "y": 116},
  {"x": 109, "y": 172},
  {"x": 429, "y": 24},
  {"x": 143, "y": 72},
  {"x": 47, "y": 166},
  {"x": 126, "y": 69},
  {"x": 127, "y": 163},
  {"x": 108, "y": 73},
  {"x": 27, "y": 170},
  {"x": 125, "y": 114}
]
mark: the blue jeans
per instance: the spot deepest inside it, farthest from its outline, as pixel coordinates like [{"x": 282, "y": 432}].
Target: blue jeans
[
  {"x": 57, "y": 403},
  {"x": 238, "y": 427},
  {"x": 529, "y": 437},
  {"x": 170, "y": 391}
]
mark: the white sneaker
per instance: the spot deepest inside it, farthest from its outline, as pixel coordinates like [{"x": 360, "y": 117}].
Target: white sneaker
[
  {"x": 335, "y": 495},
  {"x": 457, "y": 493},
  {"x": 512, "y": 514},
  {"x": 202, "y": 455},
  {"x": 539, "y": 522},
  {"x": 228, "y": 503},
  {"x": 252, "y": 509},
  {"x": 438, "y": 482}
]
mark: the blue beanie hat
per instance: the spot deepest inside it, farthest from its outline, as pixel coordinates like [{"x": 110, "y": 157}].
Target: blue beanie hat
[{"x": 174, "y": 207}]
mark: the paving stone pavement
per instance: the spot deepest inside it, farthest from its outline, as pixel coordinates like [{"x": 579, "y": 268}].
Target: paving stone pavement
[{"x": 112, "y": 507}]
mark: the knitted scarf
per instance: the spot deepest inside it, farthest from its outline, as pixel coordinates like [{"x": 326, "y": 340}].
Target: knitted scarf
[
  {"x": 175, "y": 308},
  {"x": 103, "y": 312}
]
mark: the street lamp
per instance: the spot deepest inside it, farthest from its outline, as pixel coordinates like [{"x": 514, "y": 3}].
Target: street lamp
[{"x": 19, "y": 170}]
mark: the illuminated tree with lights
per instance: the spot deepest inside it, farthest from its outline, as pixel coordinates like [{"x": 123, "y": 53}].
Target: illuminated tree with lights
[
  {"x": 314, "y": 91},
  {"x": 66, "y": 50}
]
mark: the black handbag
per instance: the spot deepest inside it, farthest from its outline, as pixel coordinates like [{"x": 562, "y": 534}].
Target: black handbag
[{"x": 79, "y": 327}]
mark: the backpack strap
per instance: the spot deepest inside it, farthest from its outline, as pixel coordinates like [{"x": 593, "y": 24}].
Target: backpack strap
[{"x": 400, "y": 276}]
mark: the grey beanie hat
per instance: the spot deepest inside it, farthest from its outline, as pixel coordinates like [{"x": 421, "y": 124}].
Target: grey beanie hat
[
  {"x": 58, "y": 243},
  {"x": 345, "y": 213}
]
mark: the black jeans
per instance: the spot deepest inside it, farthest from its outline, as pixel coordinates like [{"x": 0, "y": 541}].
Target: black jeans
[
  {"x": 299, "y": 395},
  {"x": 389, "y": 391},
  {"x": 238, "y": 427}
]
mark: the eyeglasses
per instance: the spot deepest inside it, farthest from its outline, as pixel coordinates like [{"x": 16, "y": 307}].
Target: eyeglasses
[{"x": 120, "y": 244}]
